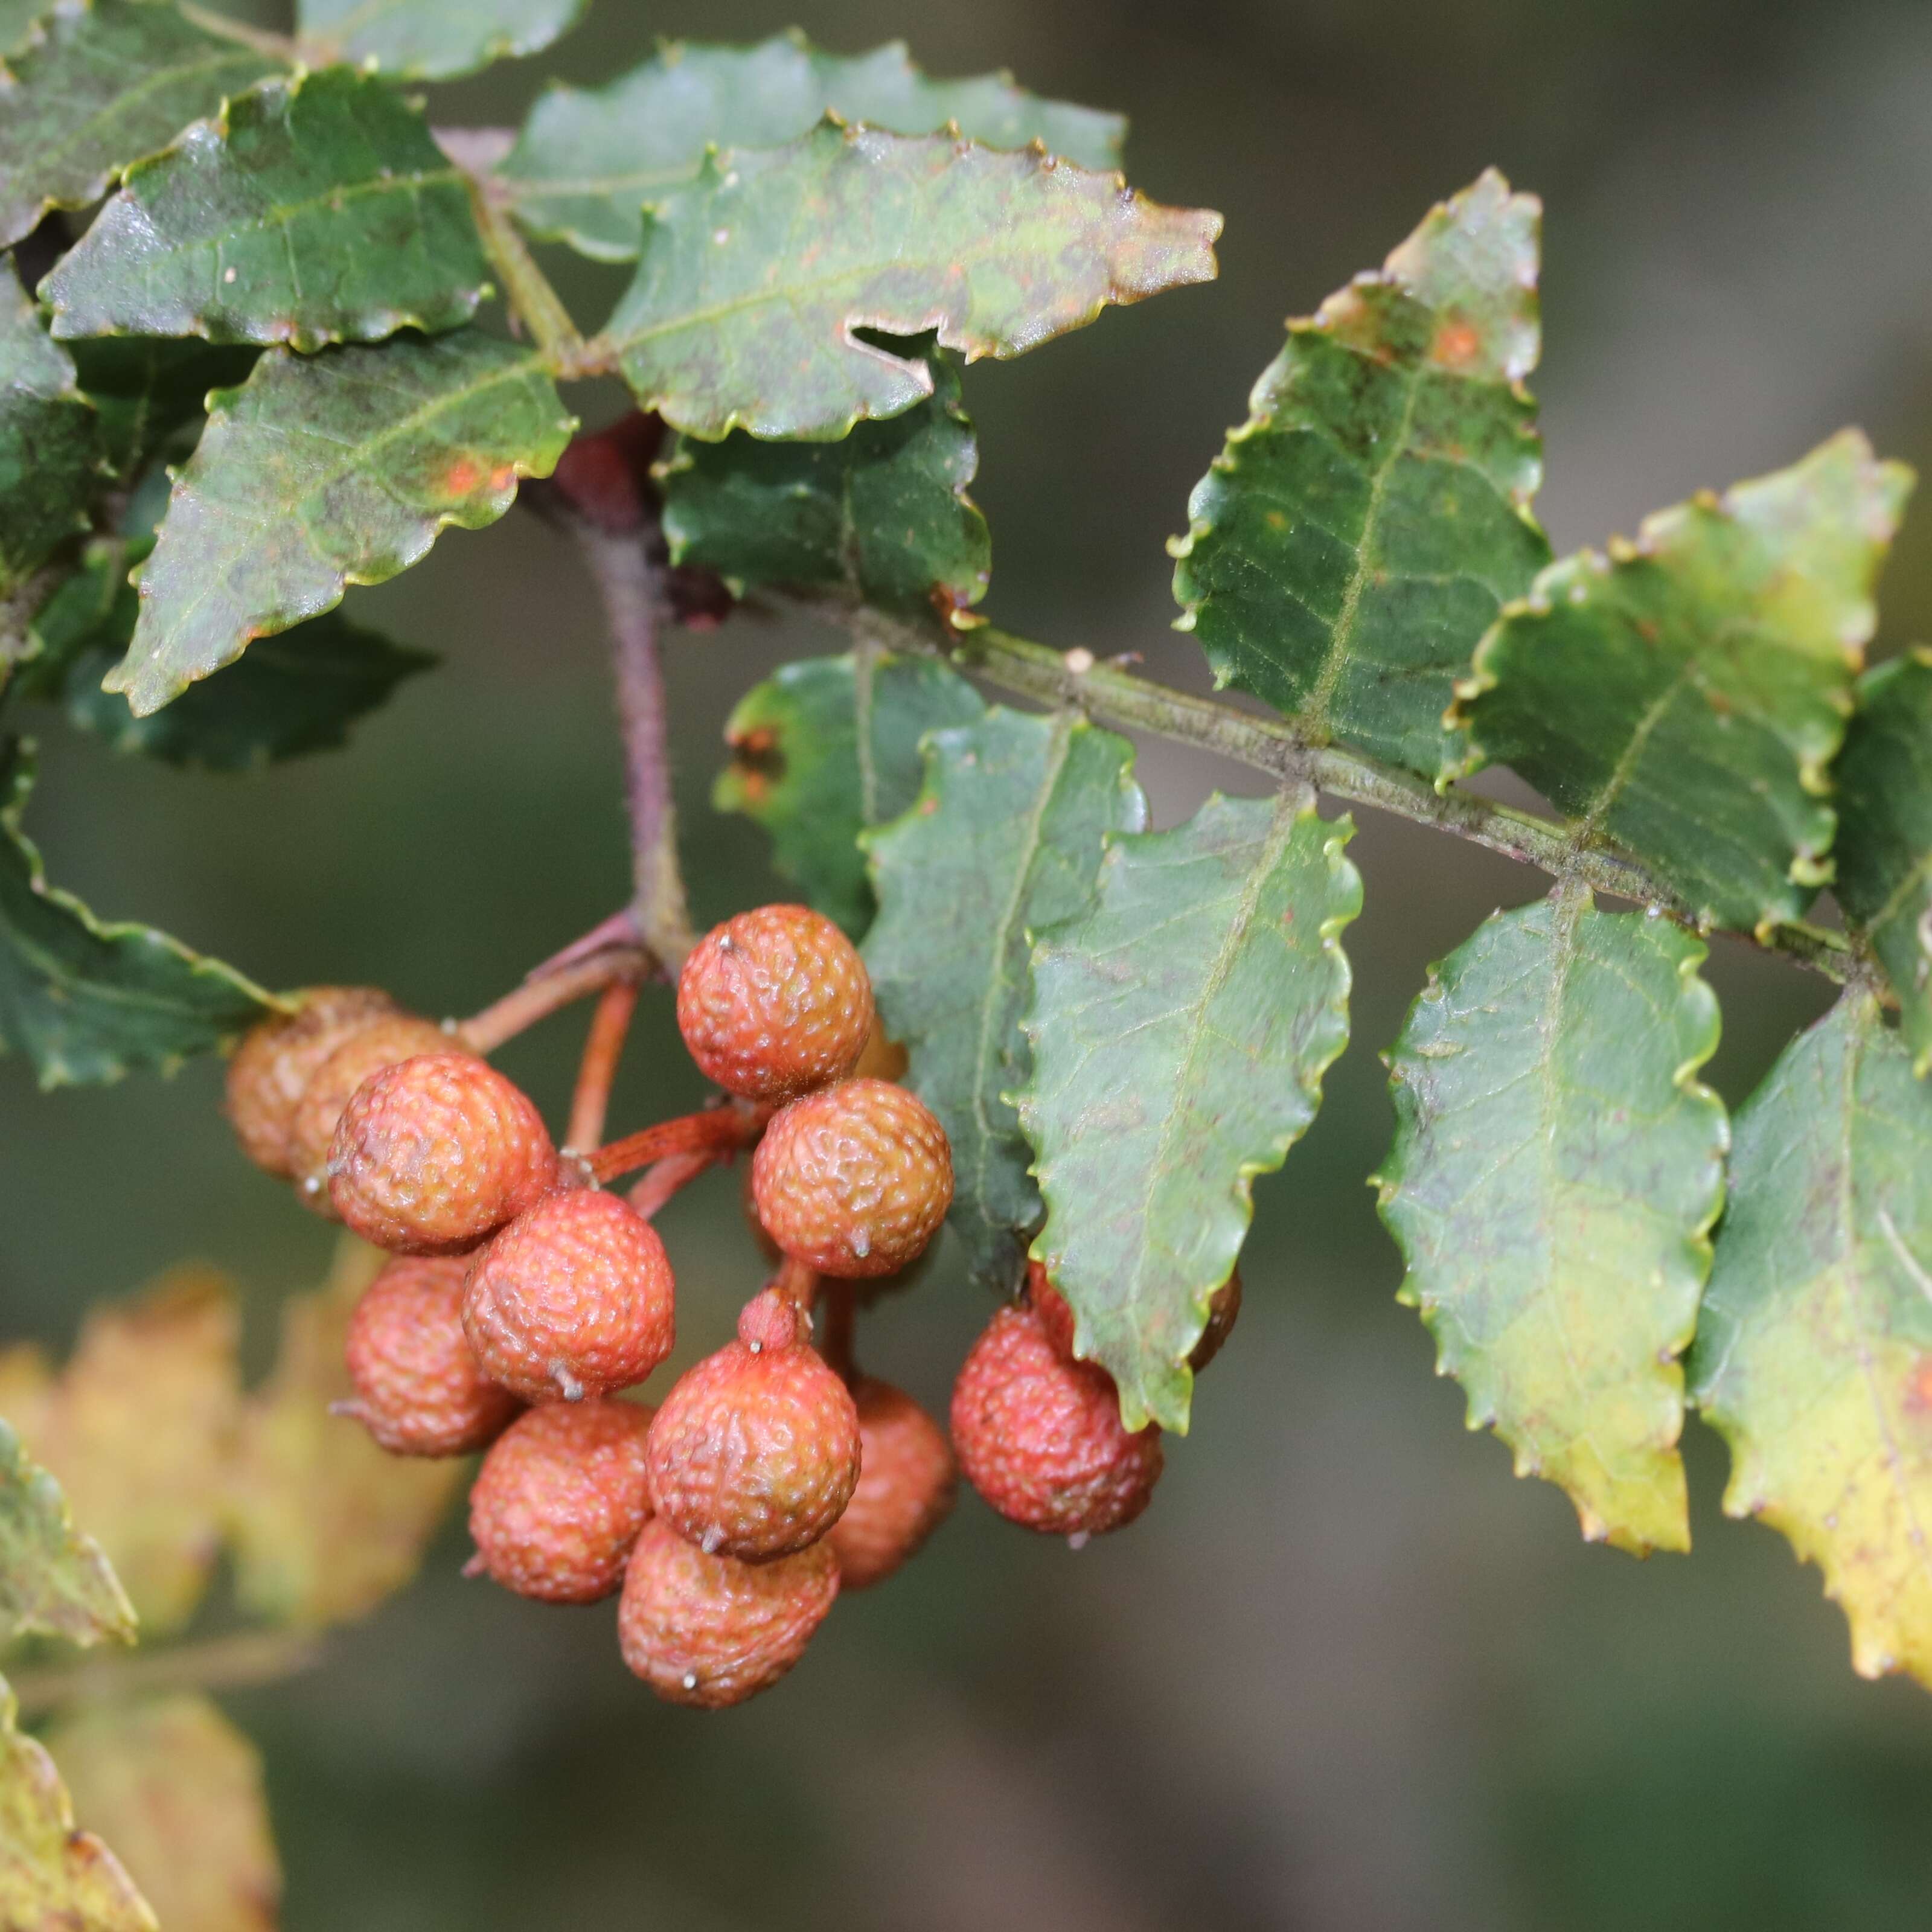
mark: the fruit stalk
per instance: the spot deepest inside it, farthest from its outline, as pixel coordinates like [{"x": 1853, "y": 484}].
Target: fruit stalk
[
  {"x": 609, "y": 1027},
  {"x": 717, "y": 1131}
]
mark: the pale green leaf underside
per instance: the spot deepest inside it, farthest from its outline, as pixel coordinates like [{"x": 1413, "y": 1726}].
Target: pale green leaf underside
[
  {"x": 327, "y": 470},
  {"x": 881, "y": 517},
  {"x": 1683, "y": 697},
  {"x": 754, "y": 277},
  {"x": 1813, "y": 1356},
  {"x": 430, "y": 40},
  {"x": 589, "y": 158},
  {"x": 87, "y": 1001},
  {"x": 818, "y": 754},
  {"x": 1360, "y": 531},
  {"x": 53, "y": 1579},
  {"x": 311, "y": 210},
  {"x": 1180, "y": 1032},
  {"x": 50, "y": 440},
  {"x": 1556, "y": 1170},
  {"x": 1884, "y": 851},
  {"x": 104, "y": 85},
  {"x": 1005, "y": 840}
]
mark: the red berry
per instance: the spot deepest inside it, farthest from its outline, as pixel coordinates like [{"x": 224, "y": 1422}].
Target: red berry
[
  {"x": 382, "y": 1042},
  {"x": 434, "y": 1153},
  {"x": 710, "y": 1630},
  {"x": 755, "y": 1452},
  {"x": 559, "y": 1501},
  {"x": 575, "y": 1298},
  {"x": 1224, "y": 1306},
  {"x": 277, "y": 1060},
  {"x": 1039, "y": 1436},
  {"x": 906, "y": 1486},
  {"x": 774, "y": 1003},
  {"x": 419, "y": 1390},
  {"x": 854, "y": 1180}
]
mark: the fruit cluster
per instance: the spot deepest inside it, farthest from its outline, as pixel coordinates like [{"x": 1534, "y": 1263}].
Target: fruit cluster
[{"x": 523, "y": 1299}]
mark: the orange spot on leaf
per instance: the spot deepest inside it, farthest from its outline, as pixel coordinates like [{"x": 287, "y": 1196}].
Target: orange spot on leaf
[{"x": 1457, "y": 345}]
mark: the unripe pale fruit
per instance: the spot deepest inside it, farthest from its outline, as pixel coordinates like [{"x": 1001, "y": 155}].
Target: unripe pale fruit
[
  {"x": 1039, "y": 1436},
  {"x": 709, "y": 1631},
  {"x": 574, "y": 1298},
  {"x": 1224, "y": 1308},
  {"x": 433, "y": 1154},
  {"x": 559, "y": 1501},
  {"x": 854, "y": 1180},
  {"x": 419, "y": 1390},
  {"x": 383, "y": 1042},
  {"x": 906, "y": 1486},
  {"x": 277, "y": 1060},
  {"x": 755, "y": 1452},
  {"x": 775, "y": 1002}
]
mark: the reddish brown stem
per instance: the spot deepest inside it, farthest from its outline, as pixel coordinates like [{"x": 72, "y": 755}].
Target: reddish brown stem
[
  {"x": 663, "y": 1180},
  {"x": 718, "y": 1132},
  {"x": 609, "y": 1027},
  {"x": 536, "y": 999}
]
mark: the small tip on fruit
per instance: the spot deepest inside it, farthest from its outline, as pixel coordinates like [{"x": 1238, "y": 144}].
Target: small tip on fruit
[
  {"x": 769, "y": 1320},
  {"x": 568, "y": 1386},
  {"x": 475, "y": 1567}
]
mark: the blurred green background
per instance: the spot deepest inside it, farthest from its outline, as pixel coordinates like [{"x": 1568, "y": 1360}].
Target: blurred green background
[{"x": 1347, "y": 1673}]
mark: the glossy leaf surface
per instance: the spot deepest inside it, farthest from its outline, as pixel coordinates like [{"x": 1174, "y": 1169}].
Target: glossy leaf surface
[
  {"x": 50, "y": 440},
  {"x": 431, "y": 40}
]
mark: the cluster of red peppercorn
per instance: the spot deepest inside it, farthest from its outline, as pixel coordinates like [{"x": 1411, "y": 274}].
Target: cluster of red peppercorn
[{"x": 524, "y": 1297}]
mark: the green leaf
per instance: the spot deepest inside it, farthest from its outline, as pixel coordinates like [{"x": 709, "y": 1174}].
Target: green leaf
[
  {"x": 291, "y": 695},
  {"x": 1006, "y": 839},
  {"x": 53, "y": 1878},
  {"x": 323, "y": 471},
  {"x": 430, "y": 40},
  {"x": 882, "y": 516},
  {"x": 146, "y": 388},
  {"x": 589, "y": 158},
  {"x": 1684, "y": 698},
  {"x": 52, "y": 1579},
  {"x": 1884, "y": 851},
  {"x": 1180, "y": 1032},
  {"x": 86, "y": 1001},
  {"x": 309, "y": 210},
  {"x": 1360, "y": 531},
  {"x": 755, "y": 276},
  {"x": 1813, "y": 1355},
  {"x": 818, "y": 753},
  {"x": 1556, "y": 1171},
  {"x": 50, "y": 464},
  {"x": 108, "y": 82}
]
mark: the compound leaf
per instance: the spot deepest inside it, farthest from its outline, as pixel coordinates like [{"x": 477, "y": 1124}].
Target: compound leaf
[
  {"x": 819, "y": 752},
  {"x": 1362, "y": 530},
  {"x": 430, "y": 40},
  {"x": 177, "y": 1790},
  {"x": 52, "y": 1578},
  {"x": 1556, "y": 1170},
  {"x": 1884, "y": 851},
  {"x": 756, "y": 275},
  {"x": 1180, "y": 1031},
  {"x": 326, "y": 470},
  {"x": 50, "y": 441},
  {"x": 1813, "y": 1355},
  {"x": 881, "y": 516},
  {"x": 1006, "y": 839},
  {"x": 1685, "y": 696},
  {"x": 106, "y": 83},
  {"x": 589, "y": 158},
  {"x": 311, "y": 210},
  {"x": 54, "y": 1878},
  {"x": 146, "y": 388},
  {"x": 86, "y": 1001}
]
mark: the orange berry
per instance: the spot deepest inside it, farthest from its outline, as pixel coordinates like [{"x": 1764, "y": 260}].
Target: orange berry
[
  {"x": 383, "y": 1042},
  {"x": 906, "y": 1486},
  {"x": 1224, "y": 1307},
  {"x": 277, "y": 1060}
]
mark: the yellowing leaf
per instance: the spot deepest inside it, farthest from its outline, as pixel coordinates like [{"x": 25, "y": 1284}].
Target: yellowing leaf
[{"x": 52, "y": 1578}]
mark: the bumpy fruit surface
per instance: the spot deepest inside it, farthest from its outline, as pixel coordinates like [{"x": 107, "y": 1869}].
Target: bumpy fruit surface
[
  {"x": 906, "y": 1486},
  {"x": 575, "y": 1298},
  {"x": 560, "y": 1499},
  {"x": 755, "y": 1452},
  {"x": 434, "y": 1153},
  {"x": 277, "y": 1060},
  {"x": 1223, "y": 1308},
  {"x": 382, "y": 1042},
  {"x": 854, "y": 1180},
  {"x": 774, "y": 1003},
  {"x": 1039, "y": 1436},
  {"x": 710, "y": 1630},
  {"x": 419, "y": 1390}
]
